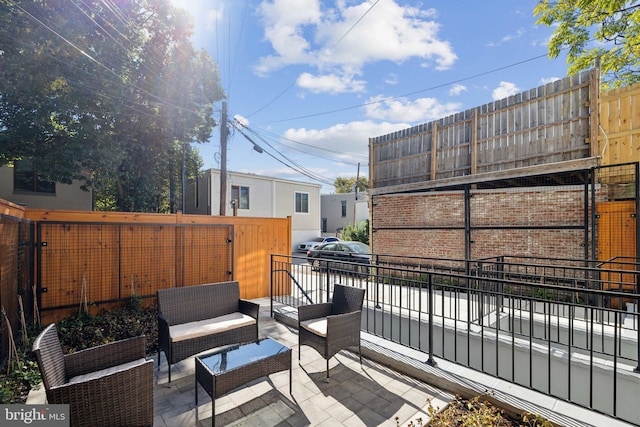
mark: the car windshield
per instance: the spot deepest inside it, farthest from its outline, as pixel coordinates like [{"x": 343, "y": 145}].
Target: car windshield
[
  {"x": 318, "y": 239},
  {"x": 359, "y": 247}
]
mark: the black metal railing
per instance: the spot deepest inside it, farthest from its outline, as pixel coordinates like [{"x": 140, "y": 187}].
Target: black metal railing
[{"x": 567, "y": 329}]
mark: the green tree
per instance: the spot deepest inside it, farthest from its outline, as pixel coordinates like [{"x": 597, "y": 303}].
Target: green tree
[
  {"x": 347, "y": 185},
  {"x": 359, "y": 233},
  {"x": 614, "y": 26},
  {"x": 109, "y": 93}
]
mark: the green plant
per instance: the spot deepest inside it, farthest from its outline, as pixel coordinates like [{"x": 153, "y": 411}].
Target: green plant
[
  {"x": 359, "y": 233},
  {"x": 77, "y": 332},
  {"x": 15, "y": 385},
  {"x": 475, "y": 412}
]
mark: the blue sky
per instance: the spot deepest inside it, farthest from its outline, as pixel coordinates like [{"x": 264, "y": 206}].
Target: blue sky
[{"x": 314, "y": 80}]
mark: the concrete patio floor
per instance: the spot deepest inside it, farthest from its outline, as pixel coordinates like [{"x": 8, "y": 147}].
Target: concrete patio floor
[
  {"x": 378, "y": 393},
  {"x": 367, "y": 395},
  {"x": 370, "y": 395}
]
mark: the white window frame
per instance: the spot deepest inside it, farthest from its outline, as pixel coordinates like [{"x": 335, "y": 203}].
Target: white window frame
[
  {"x": 240, "y": 187},
  {"x": 295, "y": 202}
]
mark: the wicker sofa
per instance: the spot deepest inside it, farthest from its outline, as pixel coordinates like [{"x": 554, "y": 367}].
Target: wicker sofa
[
  {"x": 196, "y": 318},
  {"x": 108, "y": 385}
]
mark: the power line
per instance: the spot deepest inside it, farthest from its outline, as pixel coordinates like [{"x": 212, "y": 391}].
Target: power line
[
  {"x": 291, "y": 164},
  {"x": 391, "y": 98},
  {"x": 356, "y": 23},
  {"x": 120, "y": 79},
  {"x": 315, "y": 148},
  {"x": 335, "y": 44}
]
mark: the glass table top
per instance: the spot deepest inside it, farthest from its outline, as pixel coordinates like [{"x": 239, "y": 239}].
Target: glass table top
[{"x": 236, "y": 356}]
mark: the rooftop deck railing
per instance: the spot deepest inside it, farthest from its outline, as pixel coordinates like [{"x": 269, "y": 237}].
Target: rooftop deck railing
[{"x": 566, "y": 328}]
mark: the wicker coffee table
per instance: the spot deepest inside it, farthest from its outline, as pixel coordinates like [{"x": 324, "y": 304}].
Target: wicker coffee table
[{"x": 224, "y": 370}]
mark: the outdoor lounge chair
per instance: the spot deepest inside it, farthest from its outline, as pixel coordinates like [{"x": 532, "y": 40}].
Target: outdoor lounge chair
[
  {"x": 107, "y": 385},
  {"x": 332, "y": 326}
]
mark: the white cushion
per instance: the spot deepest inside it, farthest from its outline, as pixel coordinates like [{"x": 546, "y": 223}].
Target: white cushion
[
  {"x": 107, "y": 371},
  {"x": 317, "y": 326},
  {"x": 200, "y": 328}
]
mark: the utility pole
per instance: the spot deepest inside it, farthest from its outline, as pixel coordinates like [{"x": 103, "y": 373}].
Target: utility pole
[
  {"x": 223, "y": 160},
  {"x": 355, "y": 201}
]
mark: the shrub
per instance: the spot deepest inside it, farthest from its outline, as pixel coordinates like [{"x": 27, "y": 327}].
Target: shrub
[
  {"x": 473, "y": 413},
  {"x": 359, "y": 233},
  {"x": 77, "y": 332}
]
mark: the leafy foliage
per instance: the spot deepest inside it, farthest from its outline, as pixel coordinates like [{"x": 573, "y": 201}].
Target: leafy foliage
[
  {"x": 347, "y": 185},
  {"x": 359, "y": 233},
  {"x": 76, "y": 333},
  {"x": 614, "y": 25},
  {"x": 109, "y": 94},
  {"x": 84, "y": 330},
  {"x": 473, "y": 413}
]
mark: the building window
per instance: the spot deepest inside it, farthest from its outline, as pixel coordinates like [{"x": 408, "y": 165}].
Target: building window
[
  {"x": 344, "y": 208},
  {"x": 302, "y": 202},
  {"x": 241, "y": 194},
  {"x": 324, "y": 225},
  {"x": 25, "y": 178}
]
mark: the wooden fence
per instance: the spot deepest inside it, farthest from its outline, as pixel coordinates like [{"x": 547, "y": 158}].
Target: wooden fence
[
  {"x": 15, "y": 272},
  {"x": 547, "y": 124},
  {"x": 100, "y": 258},
  {"x": 619, "y": 125}
]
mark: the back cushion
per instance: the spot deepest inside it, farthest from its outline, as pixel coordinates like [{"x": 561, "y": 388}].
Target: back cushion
[{"x": 199, "y": 302}]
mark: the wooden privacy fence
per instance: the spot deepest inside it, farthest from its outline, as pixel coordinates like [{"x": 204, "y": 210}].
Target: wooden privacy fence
[
  {"x": 547, "y": 124},
  {"x": 619, "y": 126},
  {"x": 16, "y": 272},
  {"x": 100, "y": 258}
]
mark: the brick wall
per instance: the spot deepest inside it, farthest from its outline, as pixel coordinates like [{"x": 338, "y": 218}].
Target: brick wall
[{"x": 432, "y": 224}]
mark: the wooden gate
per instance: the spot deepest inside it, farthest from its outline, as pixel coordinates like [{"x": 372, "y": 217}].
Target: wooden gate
[
  {"x": 87, "y": 263},
  {"x": 617, "y": 245}
]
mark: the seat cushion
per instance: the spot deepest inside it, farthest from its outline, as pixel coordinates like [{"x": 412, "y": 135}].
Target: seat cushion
[
  {"x": 107, "y": 371},
  {"x": 200, "y": 328},
  {"x": 317, "y": 326}
]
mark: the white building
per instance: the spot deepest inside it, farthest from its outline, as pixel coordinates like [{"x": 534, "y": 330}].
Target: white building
[
  {"x": 19, "y": 184},
  {"x": 340, "y": 210},
  {"x": 259, "y": 196}
]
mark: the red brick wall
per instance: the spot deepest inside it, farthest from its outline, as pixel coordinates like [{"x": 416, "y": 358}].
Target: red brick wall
[{"x": 432, "y": 224}]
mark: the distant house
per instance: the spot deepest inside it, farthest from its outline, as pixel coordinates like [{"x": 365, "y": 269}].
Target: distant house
[
  {"x": 341, "y": 210},
  {"x": 20, "y": 184},
  {"x": 259, "y": 196}
]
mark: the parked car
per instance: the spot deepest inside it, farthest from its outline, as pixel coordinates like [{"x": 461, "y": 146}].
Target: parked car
[
  {"x": 352, "y": 256},
  {"x": 305, "y": 246}
]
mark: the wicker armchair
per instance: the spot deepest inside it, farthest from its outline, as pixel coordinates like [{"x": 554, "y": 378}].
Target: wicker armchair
[
  {"x": 332, "y": 326},
  {"x": 107, "y": 385}
]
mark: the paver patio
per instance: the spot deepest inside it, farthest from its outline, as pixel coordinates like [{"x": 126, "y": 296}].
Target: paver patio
[{"x": 371, "y": 395}]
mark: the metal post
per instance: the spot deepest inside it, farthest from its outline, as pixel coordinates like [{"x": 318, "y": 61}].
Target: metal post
[
  {"x": 637, "y": 195},
  {"x": 223, "y": 160},
  {"x": 431, "y": 361}
]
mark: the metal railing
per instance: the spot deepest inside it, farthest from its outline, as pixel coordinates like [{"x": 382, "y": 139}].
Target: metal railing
[{"x": 569, "y": 330}]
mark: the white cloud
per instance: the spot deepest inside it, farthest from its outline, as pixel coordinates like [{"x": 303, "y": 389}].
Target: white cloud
[
  {"x": 505, "y": 90},
  {"x": 457, "y": 89},
  {"x": 391, "y": 79},
  {"x": 243, "y": 121},
  {"x": 518, "y": 34},
  {"x": 303, "y": 32},
  {"x": 348, "y": 139},
  {"x": 330, "y": 83},
  {"x": 545, "y": 80},
  {"x": 403, "y": 110}
]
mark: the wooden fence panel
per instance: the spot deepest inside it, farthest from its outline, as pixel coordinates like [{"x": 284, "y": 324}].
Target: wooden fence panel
[
  {"x": 544, "y": 125},
  {"x": 619, "y": 138},
  {"x": 116, "y": 254},
  {"x": 207, "y": 254}
]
